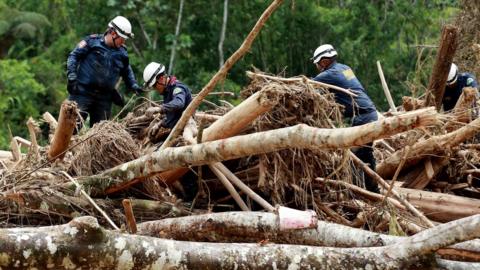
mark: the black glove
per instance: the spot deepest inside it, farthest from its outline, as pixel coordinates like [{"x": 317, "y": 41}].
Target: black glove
[
  {"x": 72, "y": 87},
  {"x": 117, "y": 98},
  {"x": 138, "y": 90}
]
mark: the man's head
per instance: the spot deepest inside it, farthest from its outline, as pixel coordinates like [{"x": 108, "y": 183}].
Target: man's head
[
  {"x": 323, "y": 56},
  {"x": 155, "y": 77},
  {"x": 119, "y": 30},
  {"x": 452, "y": 75}
]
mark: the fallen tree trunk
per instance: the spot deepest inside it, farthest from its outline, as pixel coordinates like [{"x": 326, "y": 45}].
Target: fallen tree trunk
[
  {"x": 432, "y": 146},
  {"x": 443, "y": 61},
  {"x": 64, "y": 131},
  {"x": 253, "y": 227},
  {"x": 440, "y": 206},
  {"x": 300, "y": 136},
  {"x": 82, "y": 243}
]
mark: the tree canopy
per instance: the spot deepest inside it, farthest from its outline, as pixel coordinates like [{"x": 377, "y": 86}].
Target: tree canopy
[{"x": 36, "y": 37}]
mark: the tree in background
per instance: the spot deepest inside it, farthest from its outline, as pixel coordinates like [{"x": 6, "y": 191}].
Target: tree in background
[{"x": 362, "y": 31}]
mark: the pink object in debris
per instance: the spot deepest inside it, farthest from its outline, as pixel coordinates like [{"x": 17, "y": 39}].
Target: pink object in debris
[{"x": 291, "y": 219}]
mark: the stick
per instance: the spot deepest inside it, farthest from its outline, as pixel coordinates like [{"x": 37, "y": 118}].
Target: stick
[
  {"x": 222, "y": 73},
  {"x": 386, "y": 186},
  {"x": 91, "y": 201},
  {"x": 229, "y": 187},
  {"x": 132, "y": 225},
  {"x": 234, "y": 179},
  {"x": 385, "y": 88}
]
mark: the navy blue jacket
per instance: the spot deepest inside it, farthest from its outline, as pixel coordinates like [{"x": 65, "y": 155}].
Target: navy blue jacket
[
  {"x": 176, "y": 98},
  {"x": 97, "y": 66},
  {"x": 452, "y": 93},
  {"x": 342, "y": 75}
]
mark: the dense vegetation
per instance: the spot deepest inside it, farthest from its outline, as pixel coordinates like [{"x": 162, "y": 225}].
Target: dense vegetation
[{"x": 36, "y": 37}]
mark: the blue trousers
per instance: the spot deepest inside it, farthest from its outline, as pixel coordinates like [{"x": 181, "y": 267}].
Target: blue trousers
[
  {"x": 365, "y": 153},
  {"x": 93, "y": 104}
]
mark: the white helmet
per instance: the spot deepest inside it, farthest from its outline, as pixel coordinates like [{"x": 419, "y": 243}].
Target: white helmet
[
  {"x": 324, "y": 51},
  {"x": 452, "y": 74},
  {"x": 122, "y": 26},
  {"x": 151, "y": 72}
]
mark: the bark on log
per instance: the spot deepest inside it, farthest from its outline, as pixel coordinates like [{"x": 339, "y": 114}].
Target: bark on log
[
  {"x": 222, "y": 73},
  {"x": 432, "y": 146},
  {"x": 66, "y": 125},
  {"x": 300, "y": 136},
  {"x": 419, "y": 177},
  {"x": 440, "y": 206},
  {"x": 82, "y": 243},
  {"x": 410, "y": 103},
  {"x": 253, "y": 227},
  {"x": 443, "y": 61}
]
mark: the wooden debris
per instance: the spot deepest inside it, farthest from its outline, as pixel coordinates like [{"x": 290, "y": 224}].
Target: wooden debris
[{"x": 66, "y": 125}]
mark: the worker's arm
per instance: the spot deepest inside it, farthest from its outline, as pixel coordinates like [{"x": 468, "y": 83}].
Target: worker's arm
[
  {"x": 178, "y": 101},
  {"x": 80, "y": 51}
]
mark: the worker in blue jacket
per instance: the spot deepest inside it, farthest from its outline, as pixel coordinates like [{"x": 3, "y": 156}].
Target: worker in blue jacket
[
  {"x": 176, "y": 95},
  {"x": 94, "y": 68},
  {"x": 359, "y": 108},
  {"x": 454, "y": 88}
]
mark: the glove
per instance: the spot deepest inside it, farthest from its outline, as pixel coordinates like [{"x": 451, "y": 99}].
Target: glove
[
  {"x": 72, "y": 87},
  {"x": 117, "y": 98},
  {"x": 153, "y": 110},
  {"x": 138, "y": 90}
]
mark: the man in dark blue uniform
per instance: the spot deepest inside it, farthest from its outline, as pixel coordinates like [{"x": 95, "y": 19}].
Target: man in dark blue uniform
[
  {"x": 95, "y": 66},
  {"x": 359, "y": 108},
  {"x": 454, "y": 88},
  {"x": 176, "y": 95}
]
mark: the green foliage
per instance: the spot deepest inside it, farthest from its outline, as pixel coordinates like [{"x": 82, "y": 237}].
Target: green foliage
[
  {"x": 42, "y": 33},
  {"x": 19, "y": 96}
]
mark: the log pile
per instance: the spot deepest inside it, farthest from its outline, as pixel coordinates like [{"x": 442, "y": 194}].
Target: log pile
[{"x": 286, "y": 146}]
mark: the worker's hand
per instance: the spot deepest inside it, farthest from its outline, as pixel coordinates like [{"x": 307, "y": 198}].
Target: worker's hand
[
  {"x": 72, "y": 87},
  {"x": 154, "y": 110},
  {"x": 138, "y": 89}
]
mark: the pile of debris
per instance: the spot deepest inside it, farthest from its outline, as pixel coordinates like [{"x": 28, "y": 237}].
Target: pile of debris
[{"x": 285, "y": 147}]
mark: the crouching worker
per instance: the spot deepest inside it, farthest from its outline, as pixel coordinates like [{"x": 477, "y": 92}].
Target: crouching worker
[
  {"x": 360, "y": 108},
  {"x": 176, "y": 97},
  {"x": 456, "y": 82}
]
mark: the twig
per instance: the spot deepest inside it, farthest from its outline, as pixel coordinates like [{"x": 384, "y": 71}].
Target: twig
[
  {"x": 229, "y": 187},
  {"x": 132, "y": 224},
  {"x": 90, "y": 200},
  {"x": 397, "y": 172},
  {"x": 385, "y": 88}
]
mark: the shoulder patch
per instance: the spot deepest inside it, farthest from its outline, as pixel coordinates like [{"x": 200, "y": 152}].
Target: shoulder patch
[
  {"x": 469, "y": 81},
  {"x": 348, "y": 73},
  {"x": 177, "y": 90},
  {"x": 93, "y": 35},
  {"x": 82, "y": 44}
]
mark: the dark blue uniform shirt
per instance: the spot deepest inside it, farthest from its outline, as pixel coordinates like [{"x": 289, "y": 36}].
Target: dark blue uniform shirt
[
  {"x": 97, "y": 66},
  {"x": 176, "y": 98},
  {"x": 342, "y": 75},
  {"x": 451, "y": 95}
]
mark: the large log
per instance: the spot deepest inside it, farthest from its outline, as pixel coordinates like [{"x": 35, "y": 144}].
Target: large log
[
  {"x": 430, "y": 147},
  {"x": 232, "y": 123},
  {"x": 440, "y": 206},
  {"x": 66, "y": 125},
  {"x": 443, "y": 61},
  {"x": 253, "y": 227},
  {"x": 299, "y": 136},
  {"x": 83, "y": 244}
]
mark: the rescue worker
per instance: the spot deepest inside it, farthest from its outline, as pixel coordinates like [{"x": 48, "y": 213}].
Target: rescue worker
[
  {"x": 454, "y": 88},
  {"x": 94, "y": 68},
  {"x": 360, "y": 108},
  {"x": 176, "y": 95}
]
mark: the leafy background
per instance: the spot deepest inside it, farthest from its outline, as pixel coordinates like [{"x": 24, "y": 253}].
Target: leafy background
[{"x": 36, "y": 37}]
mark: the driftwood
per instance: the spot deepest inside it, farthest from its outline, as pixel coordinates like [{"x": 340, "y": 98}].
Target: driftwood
[
  {"x": 388, "y": 95},
  {"x": 443, "y": 61},
  {"x": 433, "y": 146},
  {"x": 440, "y": 206},
  {"x": 420, "y": 176},
  {"x": 96, "y": 248},
  {"x": 300, "y": 136},
  {"x": 410, "y": 103},
  {"x": 66, "y": 125},
  {"x": 463, "y": 110},
  {"x": 253, "y": 227},
  {"x": 222, "y": 73}
]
